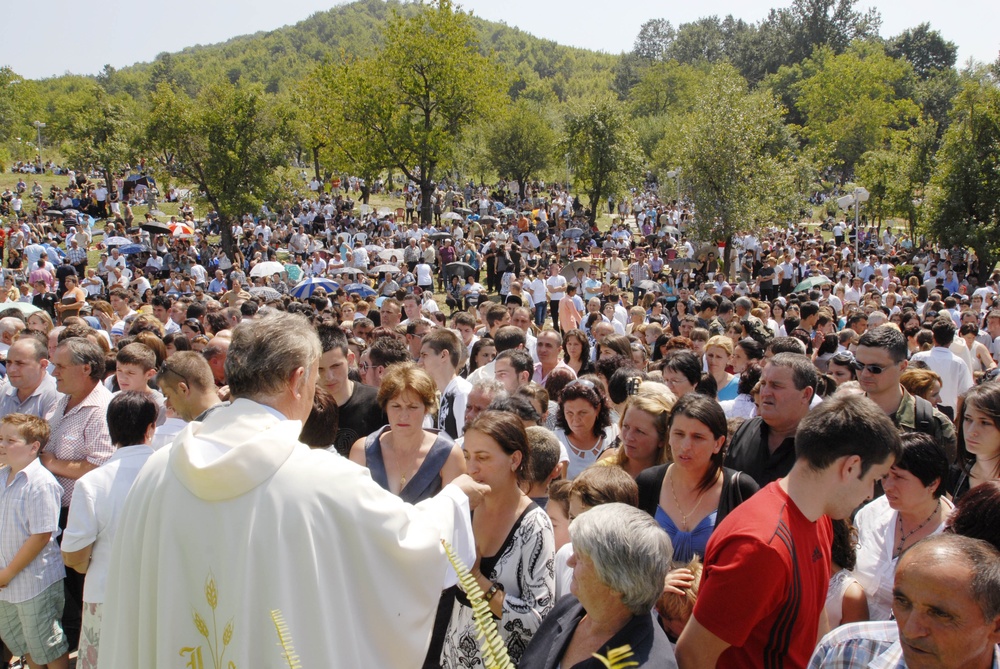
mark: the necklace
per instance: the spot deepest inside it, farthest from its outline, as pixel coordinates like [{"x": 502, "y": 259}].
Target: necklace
[
  {"x": 904, "y": 537},
  {"x": 697, "y": 502}
]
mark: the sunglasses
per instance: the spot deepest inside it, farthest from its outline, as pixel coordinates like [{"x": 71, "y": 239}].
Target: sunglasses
[
  {"x": 164, "y": 369},
  {"x": 586, "y": 383},
  {"x": 874, "y": 369}
]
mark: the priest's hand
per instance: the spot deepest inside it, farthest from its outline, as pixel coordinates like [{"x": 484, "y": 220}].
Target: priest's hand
[{"x": 474, "y": 491}]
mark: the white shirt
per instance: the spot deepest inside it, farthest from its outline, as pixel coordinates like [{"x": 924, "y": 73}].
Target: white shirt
[
  {"x": 557, "y": 287},
  {"x": 98, "y": 500},
  {"x": 955, "y": 375}
]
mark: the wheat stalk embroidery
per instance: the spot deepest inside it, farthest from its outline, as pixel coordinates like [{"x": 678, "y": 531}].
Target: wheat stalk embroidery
[
  {"x": 494, "y": 650},
  {"x": 617, "y": 658},
  {"x": 212, "y": 636},
  {"x": 285, "y": 640}
]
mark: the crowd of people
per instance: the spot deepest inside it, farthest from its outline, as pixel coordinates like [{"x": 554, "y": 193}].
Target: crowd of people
[{"x": 212, "y": 456}]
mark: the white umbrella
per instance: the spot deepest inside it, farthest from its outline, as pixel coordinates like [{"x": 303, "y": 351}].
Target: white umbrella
[
  {"x": 389, "y": 254},
  {"x": 267, "y": 268},
  {"x": 451, "y": 216}
]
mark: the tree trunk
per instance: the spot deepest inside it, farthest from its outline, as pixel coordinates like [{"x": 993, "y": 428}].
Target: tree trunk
[
  {"x": 595, "y": 198},
  {"x": 315, "y": 152},
  {"x": 727, "y": 261},
  {"x": 426, "y": 209}
]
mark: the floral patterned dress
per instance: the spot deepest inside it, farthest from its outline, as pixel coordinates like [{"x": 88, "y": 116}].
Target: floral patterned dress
[{"x": 524, "y": 567}]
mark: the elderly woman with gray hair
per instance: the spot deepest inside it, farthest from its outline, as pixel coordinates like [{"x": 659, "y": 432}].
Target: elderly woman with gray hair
[{"x": 620, "y": 560}]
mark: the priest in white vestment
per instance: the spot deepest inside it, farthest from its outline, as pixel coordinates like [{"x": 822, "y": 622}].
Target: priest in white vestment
[{"x": 239, "y": 546}]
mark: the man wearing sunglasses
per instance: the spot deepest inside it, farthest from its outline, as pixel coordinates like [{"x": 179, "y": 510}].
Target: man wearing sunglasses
[{"x": 879, "y": 362}]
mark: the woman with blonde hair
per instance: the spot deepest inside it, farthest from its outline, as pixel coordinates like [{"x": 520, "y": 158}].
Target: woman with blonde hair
[
  {"x": 718, "y": 353},
  {"x": 405, "y": 458},
  {"x": 643, "y": 434}
]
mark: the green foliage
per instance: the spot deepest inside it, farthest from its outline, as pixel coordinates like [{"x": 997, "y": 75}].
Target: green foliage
[
  {"x": 102, "y": 132},
  {"x": 666, "y": 88},
  {"x": 735, "y": 158},
  {"x": 852, "y": 102},
  {"x": 964, "y": 192},
  {"x": 228, "y": 142},
  {"x": 407, "y": 105},
  {"x": 521, "y": 143},
  {"x": 925, "y": 49},
  {"x": 897, "y": 177},
  {"x": 18, "y": 106},
  {"x": 603, "y": 150}
]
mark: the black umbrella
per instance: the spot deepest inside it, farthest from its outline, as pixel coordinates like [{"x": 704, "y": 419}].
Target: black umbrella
[
  {"x": 462, "y": 269},
  {"x": 438, "y": 236},
  {"x": 156, "y": 227}
]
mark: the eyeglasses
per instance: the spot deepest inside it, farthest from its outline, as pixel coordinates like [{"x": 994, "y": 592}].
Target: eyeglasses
[
  {"x": 874, "y": 369},
  {"x": 164, "y": 369}
]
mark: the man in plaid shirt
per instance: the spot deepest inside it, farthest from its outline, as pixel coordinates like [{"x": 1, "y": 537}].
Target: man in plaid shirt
[{"x": 77, "y": 257}]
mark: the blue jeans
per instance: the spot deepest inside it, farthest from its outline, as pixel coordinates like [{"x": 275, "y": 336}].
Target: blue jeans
[{"x": 540, "y": 313}]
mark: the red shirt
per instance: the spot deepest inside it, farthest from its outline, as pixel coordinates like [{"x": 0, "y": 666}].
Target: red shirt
[{"x": 763, "y": 589}]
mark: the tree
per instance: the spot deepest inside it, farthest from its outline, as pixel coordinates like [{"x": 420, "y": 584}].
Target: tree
[
  {"x": 603, "y": 150},
  {"x": 408, "y": 103},
  {"x": 897, "y": 177},
  {"x": 790, "y": 35},
  {"x": 852, "y": 102},
  {"x": 736, "y": 158},
  {"x": 103, "y": 132},
  {"x": 964, "y": 194},
  {"x": 654, "y": 39},
  {"x": 228, "y": 142},
  {"x": 521, "y": 144},
  {"x": 925, "y": 49}
]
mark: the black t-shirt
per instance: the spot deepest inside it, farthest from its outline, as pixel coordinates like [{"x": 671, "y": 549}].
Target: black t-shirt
[
  {"x": 748, "y": 453},
  {"x": 358, "y": 417}
]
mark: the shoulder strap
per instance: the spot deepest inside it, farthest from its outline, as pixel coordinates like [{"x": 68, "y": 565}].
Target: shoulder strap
[{"x": 924, "y": 416}]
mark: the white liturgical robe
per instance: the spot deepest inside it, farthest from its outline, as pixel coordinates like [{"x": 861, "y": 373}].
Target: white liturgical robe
[{"x": 238, "y": 524}]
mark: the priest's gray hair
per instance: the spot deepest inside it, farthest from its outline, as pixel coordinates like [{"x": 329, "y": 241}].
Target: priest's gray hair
[
  {"x": 266, "y": 351},
  {"x": 630, "y": 551}
]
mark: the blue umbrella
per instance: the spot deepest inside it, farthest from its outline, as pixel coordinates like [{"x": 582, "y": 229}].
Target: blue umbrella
[
  {"x": 306, "y": 288},
  {"x": 133, "y": 249},
  {"x": 573, "y": 233},
  {"x": 360, "y": 289}
]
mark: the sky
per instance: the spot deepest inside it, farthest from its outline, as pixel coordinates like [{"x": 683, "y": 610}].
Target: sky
[{"x": 122, "y": 33}]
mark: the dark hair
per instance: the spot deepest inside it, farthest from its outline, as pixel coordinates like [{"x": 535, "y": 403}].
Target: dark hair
[
  {"x": 129, "y": 416},
  {"x": 517, "y": 404},
  {"x": 480, "y": 344},
  {"x": 621, "y": 380},
  {"x": 558, "y": 379},
  {"x": 944, "y": 331},
  {"x": 580, "y": 336},
  {"x": 508, "y": 431},
  {"x": 922, "y": 455},
  {"x": 976, "y": 512},
  {"x": 845, "y": 544},
  {"x": 331, "y": 337},
  {"x": 804, "y": 373},
  {"x": 684, "y": 362},
  {"x": 749, "y": 378},
  {"x": 887, "y": 338},
  {"x": 520, "y": 360},
  {"x": 753, "y": 348},
  {"x": 708, "y": 412},
  {"x": 593, "y": 394},
  {"x": 845, "y": 425},
  {"x": 320, "y": 428},
  {"x": 509, "y": 337},
  {"x": 178, "y": 340},
  {"x": 544, "y": 454},
  {"x": 985, "y": 398},
  {"x": 387, "y": 351}
]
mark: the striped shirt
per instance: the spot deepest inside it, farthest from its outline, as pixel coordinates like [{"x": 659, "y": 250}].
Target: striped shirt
[
  {"x": 30, "y": 505},
  {"x": 81, "y": 434},
  {"x": 873, "y": 645},
  {"x": 42, "y": 402}
]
